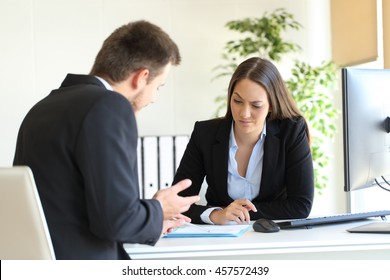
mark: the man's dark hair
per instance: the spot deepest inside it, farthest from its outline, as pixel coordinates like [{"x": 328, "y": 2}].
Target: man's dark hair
[{"x": 134, "y": 46}]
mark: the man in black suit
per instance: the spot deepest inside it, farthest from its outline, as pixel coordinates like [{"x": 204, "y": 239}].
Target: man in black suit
[{"x": 81, "y": 140}]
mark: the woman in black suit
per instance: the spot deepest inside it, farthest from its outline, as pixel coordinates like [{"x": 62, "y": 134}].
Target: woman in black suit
[{"x": 256, "y": 159}]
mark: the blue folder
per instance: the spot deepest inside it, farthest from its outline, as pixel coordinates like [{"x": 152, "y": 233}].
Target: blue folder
[{"x": 209, "y": 231}]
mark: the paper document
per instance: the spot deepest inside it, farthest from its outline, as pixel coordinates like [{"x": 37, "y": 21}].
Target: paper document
[{"x": 208, "y": 231}]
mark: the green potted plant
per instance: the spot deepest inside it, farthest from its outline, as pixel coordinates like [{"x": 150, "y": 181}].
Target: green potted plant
[{"x": 310, "y": 86}]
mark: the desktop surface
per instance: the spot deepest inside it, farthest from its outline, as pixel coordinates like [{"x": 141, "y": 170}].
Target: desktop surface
[
  {"x": 331, "y": 241},
  {"x": 373, "y": 227}
]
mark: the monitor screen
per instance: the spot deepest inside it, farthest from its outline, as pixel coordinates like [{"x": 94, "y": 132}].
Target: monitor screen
[{"x": 366, "y": 107}]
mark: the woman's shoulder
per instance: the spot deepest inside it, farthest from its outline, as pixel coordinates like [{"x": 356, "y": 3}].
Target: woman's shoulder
[
  {"x": 296, "y": 121},
  {"x": 211, "y": 124},
  {"x": 290, "y": 122},
  {"x": 211, "y": 130},
  {"x": 287, "y": 127}
]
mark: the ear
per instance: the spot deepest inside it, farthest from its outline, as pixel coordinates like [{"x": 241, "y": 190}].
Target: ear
[{"x": 140, "y": 79}]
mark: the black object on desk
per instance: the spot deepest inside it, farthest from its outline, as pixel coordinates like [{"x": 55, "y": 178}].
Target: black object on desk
[{"x": 266, "y": 226}]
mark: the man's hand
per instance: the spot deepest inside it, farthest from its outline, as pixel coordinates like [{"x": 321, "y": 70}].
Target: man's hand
[
  {"x": 173, "y": 204},
  {"x": 177, "y": 221}
]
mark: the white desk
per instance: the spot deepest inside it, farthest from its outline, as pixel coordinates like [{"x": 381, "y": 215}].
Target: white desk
[{"x": 327, "y": 242}]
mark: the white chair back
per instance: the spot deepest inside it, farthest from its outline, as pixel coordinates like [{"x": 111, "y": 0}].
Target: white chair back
[{"x": 24, "y": 233}]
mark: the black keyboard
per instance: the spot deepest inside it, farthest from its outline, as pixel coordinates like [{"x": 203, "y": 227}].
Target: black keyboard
[{"x": 309, "y": 222}]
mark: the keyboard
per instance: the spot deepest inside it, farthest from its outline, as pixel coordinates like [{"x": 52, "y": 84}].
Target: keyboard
[{"x": 309, "y": 222}]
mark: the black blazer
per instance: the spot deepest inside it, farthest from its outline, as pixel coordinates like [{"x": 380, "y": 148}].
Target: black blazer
[
  {"x": 287, "y": 183},
  {"x": 80, "y": 142}
]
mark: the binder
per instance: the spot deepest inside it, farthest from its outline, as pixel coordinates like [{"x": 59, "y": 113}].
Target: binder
[
  {"x": 181, "y": 142},
  {"x": 166, "y": 161},
  {"x": 158, "y": 159},
  {"x": 139, "y": 167},
  {"x": 150, "y": 166}
]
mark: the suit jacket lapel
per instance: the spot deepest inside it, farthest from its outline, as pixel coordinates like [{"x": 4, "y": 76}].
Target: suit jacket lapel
[
  {"x": 220, "y": 156},
  {"x": 271, "y": 154}
]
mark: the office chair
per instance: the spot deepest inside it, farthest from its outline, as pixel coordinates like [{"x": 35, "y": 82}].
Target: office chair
[{"x": 24, "y": 233}]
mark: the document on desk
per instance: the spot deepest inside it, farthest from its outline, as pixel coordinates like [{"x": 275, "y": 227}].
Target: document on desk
[{"x": 208, "y": 231}]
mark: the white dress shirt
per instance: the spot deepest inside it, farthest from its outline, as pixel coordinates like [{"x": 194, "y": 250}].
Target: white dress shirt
[{"x": 239, "y": 187}]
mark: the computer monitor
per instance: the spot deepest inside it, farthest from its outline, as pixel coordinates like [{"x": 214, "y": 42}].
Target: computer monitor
[{"x": 366, "y": 111}]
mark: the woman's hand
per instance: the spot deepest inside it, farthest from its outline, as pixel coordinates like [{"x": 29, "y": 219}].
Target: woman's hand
[{"x": 237, "y": 211}]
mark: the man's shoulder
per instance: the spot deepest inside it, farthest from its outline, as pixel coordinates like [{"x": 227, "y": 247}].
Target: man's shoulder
[
  {"x": 87, "y": 89},
  {"x": 72, "y": 80},
  {"x": 81, "y": 95}
]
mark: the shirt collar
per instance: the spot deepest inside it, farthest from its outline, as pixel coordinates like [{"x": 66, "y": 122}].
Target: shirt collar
[
  {"x": 232, "y": 139},
  {"x": 105, "y": 83}
]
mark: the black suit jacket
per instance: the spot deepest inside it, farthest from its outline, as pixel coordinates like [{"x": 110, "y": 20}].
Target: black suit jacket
[
  {"x": 287, "y": 183},
  {"x": 80, "y": 142}
]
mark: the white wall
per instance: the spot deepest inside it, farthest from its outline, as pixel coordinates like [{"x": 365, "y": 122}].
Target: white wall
[{"x": 43, "y": 40}]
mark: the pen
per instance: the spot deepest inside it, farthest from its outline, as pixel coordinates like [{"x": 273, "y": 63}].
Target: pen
[{"x": 199, "y": 227}]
